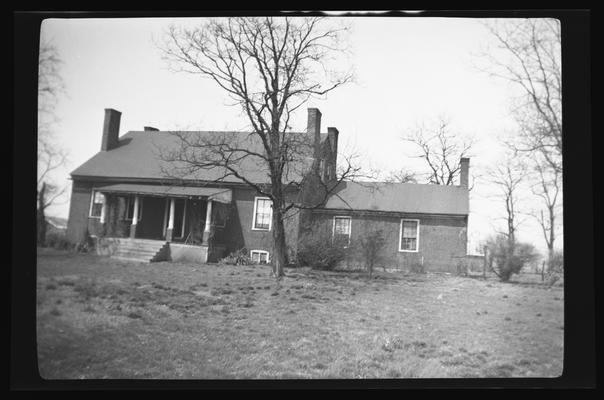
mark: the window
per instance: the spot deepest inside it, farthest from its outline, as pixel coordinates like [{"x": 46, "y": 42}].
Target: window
[
  {"x": 259, "y": 256},
  {"x": 409, "y": 235},
  {"x": 96, "y": 204},
  {"x": 130, "y": 208},
  {"x": 263, "y": 214},
  {"x": 322, "y": 169},
  {"x": 341, "y": 231}
]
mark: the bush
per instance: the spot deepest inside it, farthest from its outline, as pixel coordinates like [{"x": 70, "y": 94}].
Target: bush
[
  {"x": 462, "y": 267},
  {"x": 556, "y": 264},
  {"x": 506, "y": 259},
  {"x": 239, "y": 257},
  {"x": 57, "y": 240},
  {"x": 370, "y": 245},
  {"x": 318, "y": 251},
  {"x": 87, "y": 245}
]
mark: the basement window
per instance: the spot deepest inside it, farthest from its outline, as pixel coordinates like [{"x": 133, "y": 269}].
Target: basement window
[
  {"x": 96, "y": 204},
  {"x": 259, "y": 256},
  {"x": 409, "y": 235},
  {"x": 341, "y": 231},
  {"x": 263, "y": 214}
]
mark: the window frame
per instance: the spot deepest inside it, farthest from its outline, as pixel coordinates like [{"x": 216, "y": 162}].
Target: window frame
[
  {"x": 400, "y": 237},
  {"x": 268, "y": 259},
  {"x": 333, "y": 229},
  {"x": 92, "y": 203},
  {"x": 270, "y": 219}
]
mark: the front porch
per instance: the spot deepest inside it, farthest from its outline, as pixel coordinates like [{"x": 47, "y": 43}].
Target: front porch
[{"x": 140, "y": 219}]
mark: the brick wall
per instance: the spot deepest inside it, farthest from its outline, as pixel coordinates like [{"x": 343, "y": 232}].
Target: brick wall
[
  {"x": 238, "y": 232},
  {"x": 78, "y": 211},
  {"x": 441, "y": 238}
]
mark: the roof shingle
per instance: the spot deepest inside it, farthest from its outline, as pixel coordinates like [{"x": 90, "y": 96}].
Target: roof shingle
[{"x": 400, "y": 197}]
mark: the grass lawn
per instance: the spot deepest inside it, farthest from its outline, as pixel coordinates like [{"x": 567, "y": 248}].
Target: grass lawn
[{"x": 102, "y": 318}]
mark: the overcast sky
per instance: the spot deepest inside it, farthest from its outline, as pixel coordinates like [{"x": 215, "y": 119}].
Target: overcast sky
[{"x": 407, "y": 70}]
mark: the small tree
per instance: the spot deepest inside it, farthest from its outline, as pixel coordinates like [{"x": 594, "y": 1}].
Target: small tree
[
  {"x": 506, "y": 258},
  {"x": 318, "y": 249},
  {"x": 370, "y": 246}
]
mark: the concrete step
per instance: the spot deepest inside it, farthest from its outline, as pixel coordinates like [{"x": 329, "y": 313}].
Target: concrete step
[
  {"x": 139, "y": 250},
  {"x": 138, "y": 254},
  {"x": 131, "y": 259}
]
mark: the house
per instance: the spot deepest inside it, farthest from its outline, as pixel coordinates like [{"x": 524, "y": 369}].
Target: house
[{"x": 123, "y": 197}]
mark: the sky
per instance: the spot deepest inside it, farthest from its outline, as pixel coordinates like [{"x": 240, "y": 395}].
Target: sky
[{"x": 407, "y": 70}]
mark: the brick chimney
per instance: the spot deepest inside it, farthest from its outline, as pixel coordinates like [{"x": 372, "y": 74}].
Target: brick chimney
[
  {"x": 464, "y": 172},
  {"x": 111, "y": 129},
  {"x": 332, "y": 134},
  {"x": 150, "y": 129},
  {"x": 313, "y": 127}
]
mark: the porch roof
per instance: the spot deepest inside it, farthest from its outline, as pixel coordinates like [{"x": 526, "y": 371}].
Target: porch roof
[{"x": 221, "y": 195}]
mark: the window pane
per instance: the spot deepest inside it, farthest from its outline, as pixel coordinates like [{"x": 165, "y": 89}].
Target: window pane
[
  {"x": 99, "y": 198},
  {"x": 342, "y": 226},
  {"x": 263, "y": 258},
  {"x": 409, "y": 229},
  {"x": 263, "y": 214},
  {"x": 96, "y": 210}
]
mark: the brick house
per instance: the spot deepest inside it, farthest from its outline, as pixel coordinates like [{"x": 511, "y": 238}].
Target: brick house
[{"x": 123, "y": 197}]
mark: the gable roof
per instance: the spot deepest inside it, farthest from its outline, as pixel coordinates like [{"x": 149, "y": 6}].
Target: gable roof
[
  {"x": 138, "y": 155},
  {"x": 400, "y": 197}
]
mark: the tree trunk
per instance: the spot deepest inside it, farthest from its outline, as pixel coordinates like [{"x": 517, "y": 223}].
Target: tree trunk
[
  {"x": 280, "y": 248},
  {"x": 41, "y": 216}
]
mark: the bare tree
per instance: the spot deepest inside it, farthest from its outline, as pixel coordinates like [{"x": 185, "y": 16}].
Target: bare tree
[
  {"x": 50, "y": 156},
  {"x": 402, "y": 176},
  {"x": 269, "y": 67},
  {"x": 530, "y": 57},
  {"x": 508, "y": 177},
  {"x": 441, "y": 149},
  {"x": 547, "y": 187}
]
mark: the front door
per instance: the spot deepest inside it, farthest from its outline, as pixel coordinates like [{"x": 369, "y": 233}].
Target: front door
[{"x": 150, "y": 226}]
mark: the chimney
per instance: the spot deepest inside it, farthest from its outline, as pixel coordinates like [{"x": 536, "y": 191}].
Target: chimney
[
  {"x": 314, "y": 127},
  {"x": 150, "y": 129},
  {"x": 464, "y": 172},
  {"x": 111, "y": 129},
  {"x": 332, "y": 134}
]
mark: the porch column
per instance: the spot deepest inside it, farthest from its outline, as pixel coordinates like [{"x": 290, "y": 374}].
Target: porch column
[
  {"x": 134, "y": 218},
  {"x": 170, "y": 222},
  {"x": 104, "y": 209},
  {"x": 208, "y": 225}
]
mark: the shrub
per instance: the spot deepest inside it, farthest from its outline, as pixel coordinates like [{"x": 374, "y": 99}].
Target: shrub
[
  {"x": 57, "y": 240},
  {"x": 462, "y": 268},
  {"x": 369, "y": 246},
  {"x": 506, "y": 259},
  {"x": 239, "y": 257},
  {"x": 87, "y": 245},
  {"x": 317, "y": 250},
  {"x": 417, "y": 267},
  {"x": 556, "y": 264}
]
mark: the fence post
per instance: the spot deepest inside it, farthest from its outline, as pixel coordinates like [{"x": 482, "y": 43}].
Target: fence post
[{"x": 484, "y": 263}]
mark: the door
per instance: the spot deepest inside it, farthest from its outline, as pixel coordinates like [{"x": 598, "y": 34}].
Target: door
[{"x": 150, "y": 226}]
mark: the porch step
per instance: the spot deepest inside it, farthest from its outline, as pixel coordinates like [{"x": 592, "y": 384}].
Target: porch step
[{"x": 140, "y": 250}]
